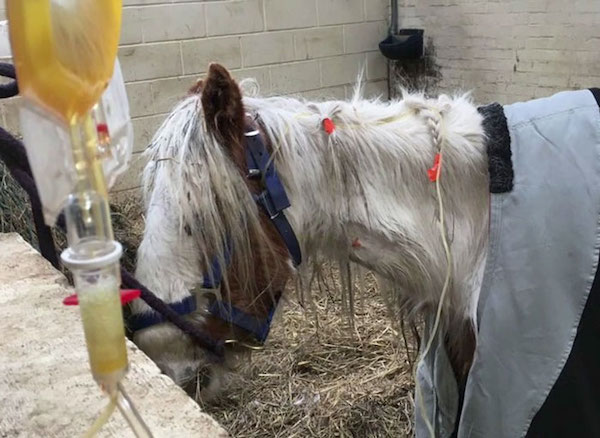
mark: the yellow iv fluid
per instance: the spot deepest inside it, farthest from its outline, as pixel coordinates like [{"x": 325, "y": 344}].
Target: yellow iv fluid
[
  {"x": 102, "y": 318},
  {"x": 64, "y": 51}
]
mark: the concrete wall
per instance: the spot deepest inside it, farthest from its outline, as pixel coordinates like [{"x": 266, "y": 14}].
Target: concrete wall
[
  {"x": 46, "y": 388},
  {"x": 310, "y": 47},
  {"x": 509, "y": 50}
]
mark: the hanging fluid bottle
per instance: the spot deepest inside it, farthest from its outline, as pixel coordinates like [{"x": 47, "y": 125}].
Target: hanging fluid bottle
[{"x": 64, "y": 53}]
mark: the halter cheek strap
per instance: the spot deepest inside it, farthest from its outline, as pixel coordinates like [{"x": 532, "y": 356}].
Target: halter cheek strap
[{"x": 273, "y": 200}]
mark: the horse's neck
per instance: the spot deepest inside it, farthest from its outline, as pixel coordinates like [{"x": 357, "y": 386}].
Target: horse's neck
[{"x": 365, "y": 193}]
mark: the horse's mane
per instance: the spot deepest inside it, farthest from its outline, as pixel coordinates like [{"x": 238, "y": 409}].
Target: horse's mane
[
  {"x": 375, "y": 144},
  {"x": 370, "y": 135},
  {"x": 210, "y": 201}
]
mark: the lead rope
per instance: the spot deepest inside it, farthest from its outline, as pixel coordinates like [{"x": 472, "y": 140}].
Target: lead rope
[{"x": 434, "y": 121}]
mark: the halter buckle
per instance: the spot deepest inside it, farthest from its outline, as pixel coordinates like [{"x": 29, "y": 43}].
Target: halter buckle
[
  {"x": 264, "y": 199},
  {"x": 203, "y": 295},
  {"x": 253, "y": 174}
]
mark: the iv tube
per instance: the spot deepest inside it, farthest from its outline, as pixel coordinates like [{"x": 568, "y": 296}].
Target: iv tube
[
  {"x": 64, "y": 54},
  {"x": 93, "y": 258}
]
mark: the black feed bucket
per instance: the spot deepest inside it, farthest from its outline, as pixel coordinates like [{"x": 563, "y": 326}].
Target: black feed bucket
[{"x": 405, "y": 44}]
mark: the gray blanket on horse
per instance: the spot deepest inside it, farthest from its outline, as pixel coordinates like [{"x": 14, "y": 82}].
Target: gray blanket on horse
[{"x": 536, "y": 370}]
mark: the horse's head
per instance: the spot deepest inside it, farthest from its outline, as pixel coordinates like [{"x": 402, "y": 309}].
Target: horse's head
[{"x": 208, "y": 249}]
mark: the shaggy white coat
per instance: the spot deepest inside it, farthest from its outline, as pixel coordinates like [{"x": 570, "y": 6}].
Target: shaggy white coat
[{"x": 366, "y": 181}]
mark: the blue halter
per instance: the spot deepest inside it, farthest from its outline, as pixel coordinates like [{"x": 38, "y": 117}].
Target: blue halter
[{"x": 273, "y": 200}]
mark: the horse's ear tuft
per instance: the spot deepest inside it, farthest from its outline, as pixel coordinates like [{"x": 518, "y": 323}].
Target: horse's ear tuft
[
  {"x": 222, "y": 104},
  {"x": 197, "y": 87}
]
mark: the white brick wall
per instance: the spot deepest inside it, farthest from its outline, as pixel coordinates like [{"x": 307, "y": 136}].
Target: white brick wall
[
  {"x": 504, "y": 50},
  {"x": 310, "y": 47},
  {"x": 510, "y": 50}
]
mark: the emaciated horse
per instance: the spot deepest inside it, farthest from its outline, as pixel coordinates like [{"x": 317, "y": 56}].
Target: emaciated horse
[{"x": 361, "y": 179}]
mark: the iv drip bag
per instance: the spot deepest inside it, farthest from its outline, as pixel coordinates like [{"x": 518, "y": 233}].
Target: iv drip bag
[
  {"x": 47, "y": 143},
  {"x": 47, "y": 140}
]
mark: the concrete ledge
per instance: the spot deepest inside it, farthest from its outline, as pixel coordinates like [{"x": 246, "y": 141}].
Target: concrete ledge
[{"x": 46, "y": 389}]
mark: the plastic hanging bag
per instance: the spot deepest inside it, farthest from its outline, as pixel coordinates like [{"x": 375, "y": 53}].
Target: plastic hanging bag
[
  {"x": 47, "y": 140},
  {"x": 47, "y": 143}
]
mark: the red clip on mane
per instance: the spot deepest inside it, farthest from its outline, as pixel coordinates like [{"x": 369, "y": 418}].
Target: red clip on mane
[
  {"x": 328, "y": 126},
  {"x": 435, "y": 171}
]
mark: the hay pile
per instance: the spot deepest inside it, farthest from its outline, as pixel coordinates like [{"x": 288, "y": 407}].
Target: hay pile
[
  {"x": 15, "y": 211},
  {"x": 341, "y": 380},
  {"x": 128, "y": 226},
  {"x": 15, "y": 217}
]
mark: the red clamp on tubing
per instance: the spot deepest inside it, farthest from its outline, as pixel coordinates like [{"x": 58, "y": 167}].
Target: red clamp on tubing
[
  {"x": 328, "y": 126},
  {"x": 435, "y": 171},
  {"x": 102, "y": 128},
  {"x": 127, "y": 295}
]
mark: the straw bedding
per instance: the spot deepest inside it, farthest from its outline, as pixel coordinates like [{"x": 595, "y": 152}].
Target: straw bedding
[{"x": 348, "y": 378}]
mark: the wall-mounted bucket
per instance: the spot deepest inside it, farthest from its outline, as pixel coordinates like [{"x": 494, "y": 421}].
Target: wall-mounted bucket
[{"x": 405, "y": 44}]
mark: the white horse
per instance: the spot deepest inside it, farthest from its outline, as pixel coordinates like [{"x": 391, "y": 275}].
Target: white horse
[
  {"x": 362, "y": 192},
  {"x": 401, "y": 188}
]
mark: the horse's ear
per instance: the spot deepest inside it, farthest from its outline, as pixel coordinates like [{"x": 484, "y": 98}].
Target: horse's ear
[
  {"x": 197, "y": 87},
  {"x": 222, "y": 104}
]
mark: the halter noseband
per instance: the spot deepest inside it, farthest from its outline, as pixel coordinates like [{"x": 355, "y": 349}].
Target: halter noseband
[{"x": 273, "y": 200}]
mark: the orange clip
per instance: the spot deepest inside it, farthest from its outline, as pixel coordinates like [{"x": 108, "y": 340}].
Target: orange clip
[
  {"x": 328, "y": 126},
  {"x": 435, "y": 171}
]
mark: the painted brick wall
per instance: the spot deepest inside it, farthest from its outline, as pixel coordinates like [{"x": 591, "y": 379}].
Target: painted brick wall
[
  {"x": 510, "y": 50},
  {"x": 311, "y": 47}
]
